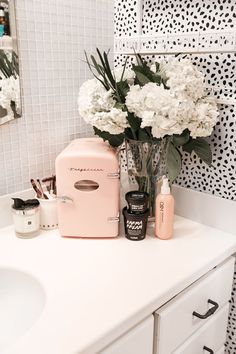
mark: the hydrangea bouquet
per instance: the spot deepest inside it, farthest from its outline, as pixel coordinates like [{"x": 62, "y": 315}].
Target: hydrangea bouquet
[
  {"x": 9, "y": 85},
  {"x": 150, "y": 103}
]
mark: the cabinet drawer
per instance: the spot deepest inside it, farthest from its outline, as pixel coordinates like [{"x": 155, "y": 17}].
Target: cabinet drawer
[
  {"x": 212, "y": 335},
  {"x": 175, "y": 322},
  {"x": 138, "y": 340}
]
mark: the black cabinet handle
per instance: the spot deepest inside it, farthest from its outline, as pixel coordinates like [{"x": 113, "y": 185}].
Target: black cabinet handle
[
  {"x": 210, "y": 312},
  {"x": 208, "y": 349}
]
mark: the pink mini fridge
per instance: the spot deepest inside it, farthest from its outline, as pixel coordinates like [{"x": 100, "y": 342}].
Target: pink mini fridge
[{"x": 87, "y": 173}]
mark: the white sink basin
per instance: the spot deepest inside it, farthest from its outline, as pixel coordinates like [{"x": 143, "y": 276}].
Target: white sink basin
[{"x": 22, "y": 299}]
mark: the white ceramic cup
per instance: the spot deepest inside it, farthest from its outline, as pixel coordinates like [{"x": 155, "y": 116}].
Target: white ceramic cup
[{"x": 48, "y": 214}]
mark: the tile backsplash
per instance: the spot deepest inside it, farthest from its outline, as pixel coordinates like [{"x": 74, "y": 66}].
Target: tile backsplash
[{"x": 52, "y": 37}]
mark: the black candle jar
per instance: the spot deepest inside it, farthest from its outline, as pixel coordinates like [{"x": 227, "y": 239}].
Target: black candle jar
[
  {"x": 135, "y": 224},
  {"x": 137, "y": 201}
]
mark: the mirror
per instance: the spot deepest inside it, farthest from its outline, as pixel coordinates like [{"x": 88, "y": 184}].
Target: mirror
[{"x": 10, "y": 100}]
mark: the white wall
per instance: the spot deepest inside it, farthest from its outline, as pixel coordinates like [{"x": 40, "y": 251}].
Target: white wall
[{"x": 52, "y": 37}]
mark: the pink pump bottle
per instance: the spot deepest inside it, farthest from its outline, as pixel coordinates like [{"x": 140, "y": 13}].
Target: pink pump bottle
[{"x": 164, "y": 218}]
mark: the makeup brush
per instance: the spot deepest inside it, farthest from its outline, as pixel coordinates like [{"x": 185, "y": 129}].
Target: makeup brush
[
  {"x": 41, "y": 189},
  {"x": 50, "y": 185},
  {"x": 38, "y": 192},
  {"x": 54, "y": 187},
  {"x": 47, "y": 179}
]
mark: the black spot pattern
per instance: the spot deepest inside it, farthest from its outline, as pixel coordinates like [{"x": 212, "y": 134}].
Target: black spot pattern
[
  {"x": 169, "y": 16},
  {"x": 125, "y": 18},
  {"x": 181, "y": 16},
  {"x": 220, "y": 178}
]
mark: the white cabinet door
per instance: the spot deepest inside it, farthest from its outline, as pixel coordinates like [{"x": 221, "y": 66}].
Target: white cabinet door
[
  {"x": 209, "y": 338},
  {"x": 139, "y": 340},
  {"x": 222, "y": 350},
  {"x": 179, "y": 318}
]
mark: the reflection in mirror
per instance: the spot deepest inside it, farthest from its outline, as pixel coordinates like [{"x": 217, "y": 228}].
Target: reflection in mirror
[{"x": 10, "y": 102}]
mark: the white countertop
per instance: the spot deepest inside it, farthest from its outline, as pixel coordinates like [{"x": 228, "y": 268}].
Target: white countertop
[{"x": 97, "y": 289}]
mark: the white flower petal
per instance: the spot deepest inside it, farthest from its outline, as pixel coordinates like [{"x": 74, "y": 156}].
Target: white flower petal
[{"x": 96, "y": 106}]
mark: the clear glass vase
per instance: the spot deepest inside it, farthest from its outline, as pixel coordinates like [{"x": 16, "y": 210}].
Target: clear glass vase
[{"x": 146, "y": 164}]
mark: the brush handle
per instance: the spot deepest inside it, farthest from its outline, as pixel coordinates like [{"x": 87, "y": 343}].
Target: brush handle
[
  {"x": 47, "y": 179},
  {"x": 41, "y": 189},
  {"x": 38, "y": 192}
]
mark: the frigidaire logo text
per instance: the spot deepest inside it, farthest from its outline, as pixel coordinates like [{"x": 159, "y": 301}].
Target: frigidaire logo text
[{"x": 77, "y": 169}]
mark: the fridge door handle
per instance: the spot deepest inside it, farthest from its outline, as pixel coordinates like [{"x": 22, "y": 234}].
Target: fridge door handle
[{"x": 65, "y": 199}]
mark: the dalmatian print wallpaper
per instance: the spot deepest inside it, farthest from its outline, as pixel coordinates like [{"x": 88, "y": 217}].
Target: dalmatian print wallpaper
[
  {"x": 181, "y": 16},
  {"x": 171, "y": 16}
]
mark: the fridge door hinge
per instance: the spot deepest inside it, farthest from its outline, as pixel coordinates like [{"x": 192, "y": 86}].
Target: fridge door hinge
[{"x": 113, "y": 219}]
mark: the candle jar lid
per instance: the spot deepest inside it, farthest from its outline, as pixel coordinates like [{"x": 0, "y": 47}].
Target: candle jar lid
[
  {"x": 27, "y": 207},
  {"x": 137, "y": 201}
]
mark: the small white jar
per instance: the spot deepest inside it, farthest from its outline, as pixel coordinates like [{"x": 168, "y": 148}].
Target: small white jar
[{"x": 26, "y": 221}]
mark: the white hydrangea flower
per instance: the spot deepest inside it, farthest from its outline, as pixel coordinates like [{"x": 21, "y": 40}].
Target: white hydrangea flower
[
  {"x": 10, "y": 91},
  {"x": 205, "y": 117},
  {"x": 184, "y": 79},
  {"x": 113, "y": 121},
  {"x": 97, "y": 107},
  {"x": 129, "y": 74},
  {"x": 93, "y": 97},
  {"x": 160, "y": 109},
  {"x": 166, "y": 111}
]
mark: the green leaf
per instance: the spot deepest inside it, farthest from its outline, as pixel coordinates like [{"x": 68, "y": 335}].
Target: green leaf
[
  {"x": 108, "y": 69},
  {"x": 180, "y": 140},
  {"x": 142, "y": 79},
  {"x": 144, "y": 75},
  {"x": 139, "y": 59},
  {"x": 98, "y": 67},
  {"x": 157, "y": 66},
  {"x": 149, "y": 75},
  {"x": 134, "y": 121},
  {"x": 101, "y": 58},
  {"x": 117, "y": 94},
  {"x": 124, "y": 67},
  {"x": 156, "y": 78},
  {"x": 128, "y": 134},
  {"x": 107, "y": 75},
  {"x": 88, "y": 62},
  {"x": 9, "y": 67},
  {"x": 122, "y": 88},
  {"x": 189, "y": 146},
  {"x": 143, "y": 135},
  {"x": 13, "y": 107},
  {"x": 114, "y": 140},
  {"x": 203, "y": 150},
  {"x": 174, "y": 162},
  {"x": 104, "y": 83},
  {"x": 119, "y": 105},
  {"x": 15, "y": 62}
]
